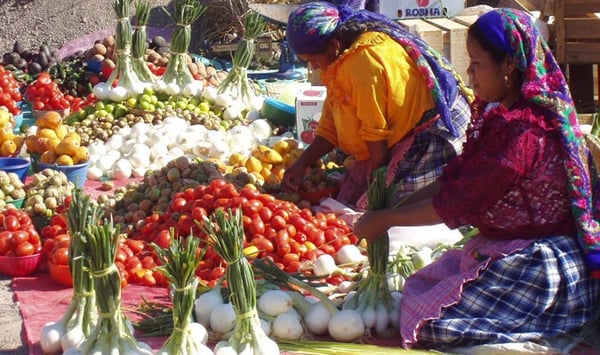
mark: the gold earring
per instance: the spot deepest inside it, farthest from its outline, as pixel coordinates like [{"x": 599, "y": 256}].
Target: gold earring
[{"x": 507, "y": 81}]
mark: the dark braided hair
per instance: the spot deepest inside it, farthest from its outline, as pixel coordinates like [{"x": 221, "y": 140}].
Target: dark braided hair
[{"x": 350, "y": 31}]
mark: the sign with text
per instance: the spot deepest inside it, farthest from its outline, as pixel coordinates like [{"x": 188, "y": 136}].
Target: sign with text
[{"x": 403, "y": 9}]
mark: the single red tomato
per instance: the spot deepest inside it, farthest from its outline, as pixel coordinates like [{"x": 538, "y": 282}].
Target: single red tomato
[
  {"x": 19, "y": 237},
  {"x": 163, "y": 239},
  {"x": 60, "y": 256},
  {"x": 24, "y": 249},
  {"x": 11, "y": 223}
]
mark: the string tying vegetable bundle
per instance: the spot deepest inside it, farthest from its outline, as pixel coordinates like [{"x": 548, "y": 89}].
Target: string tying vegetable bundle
[
  {"x": 111, "y": 335},
  {"x": 177, "y": 78},
  {"x": 128, "y": 84},
  {"x": 179, "y": 263},
  {"x": 79, "y": 320},
  {"x": 225, "y": 232},
  {"x": 236, "y": 83},
  {"x": 142, "y": 14}
]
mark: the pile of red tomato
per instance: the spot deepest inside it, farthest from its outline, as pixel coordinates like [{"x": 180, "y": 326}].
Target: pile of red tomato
[
  {"x": 278, "y": 229},
  {"x": 274, "y": 229},
  {"x": 10, "y": 91},
  {"x": 45, "y": 94},
  {"x": 18, "y": 236}
]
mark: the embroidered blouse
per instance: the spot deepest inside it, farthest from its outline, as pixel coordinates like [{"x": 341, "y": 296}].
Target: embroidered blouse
[{"x": 510, "y": 181}]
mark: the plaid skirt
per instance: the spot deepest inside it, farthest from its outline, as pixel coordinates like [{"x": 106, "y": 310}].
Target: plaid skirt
[
  {"x": 494, "y": 292},
  {"x": 416, "y": 161}
]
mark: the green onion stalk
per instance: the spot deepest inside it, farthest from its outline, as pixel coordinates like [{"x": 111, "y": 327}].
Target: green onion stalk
[
  {"x": 225, "y": 232},
  {"x": 177, "y": 78},
  {"x": 179, "y": 264},
  {"x": 81, "y": 317},
  {"x": 373, "y": 299},
  {"x": 236, "y": 83},
  {"x": 128, "y": 84},
  {"x": 142, "y": 14},
  {"x": 112, "y": 334}
]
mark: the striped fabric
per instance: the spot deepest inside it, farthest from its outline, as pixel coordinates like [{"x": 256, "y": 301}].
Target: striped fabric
[{"x": 537, "y": 292}]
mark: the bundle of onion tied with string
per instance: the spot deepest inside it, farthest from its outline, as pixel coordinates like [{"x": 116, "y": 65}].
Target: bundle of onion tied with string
[
  {"x": 236, "y": 84},
  {"x": 129, "y": 83},
  {"x": 177, "y": 78}
]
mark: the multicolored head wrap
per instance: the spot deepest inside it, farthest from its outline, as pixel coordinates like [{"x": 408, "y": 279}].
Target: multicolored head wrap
[
  {"x": 313, "y": 24},
  {"x": 544, "y": 84}
]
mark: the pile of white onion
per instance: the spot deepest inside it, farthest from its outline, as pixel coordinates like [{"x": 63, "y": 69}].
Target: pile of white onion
[{"x": 134, "y": 150}]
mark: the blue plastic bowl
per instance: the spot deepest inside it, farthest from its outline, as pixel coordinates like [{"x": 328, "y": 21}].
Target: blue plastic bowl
[
  {"x": 77, "y": 174},
  {"x": 278, "y": 112},
  {"x": 18, "y": 166}
]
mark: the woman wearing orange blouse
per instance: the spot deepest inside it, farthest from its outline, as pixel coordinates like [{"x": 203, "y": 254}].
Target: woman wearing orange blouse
[{"x": 392, "y": 101}]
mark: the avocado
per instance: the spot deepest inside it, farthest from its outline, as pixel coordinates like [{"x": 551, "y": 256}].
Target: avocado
[
  {"x": 34, "y": 68},
  {"x": 18, "y": 47}
]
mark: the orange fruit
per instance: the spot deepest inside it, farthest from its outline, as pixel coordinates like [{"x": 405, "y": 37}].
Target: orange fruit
[
  {"x": 50, "y": 119},
  {"x": 64, "y": 160},
  {"x": 48, "y": 157}
]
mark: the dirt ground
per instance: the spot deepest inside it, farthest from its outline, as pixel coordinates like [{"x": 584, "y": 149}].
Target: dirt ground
[{"x": 11, "y": 324}]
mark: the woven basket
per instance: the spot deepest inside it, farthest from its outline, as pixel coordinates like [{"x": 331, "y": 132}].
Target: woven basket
[{"x": 593, "y": 143}]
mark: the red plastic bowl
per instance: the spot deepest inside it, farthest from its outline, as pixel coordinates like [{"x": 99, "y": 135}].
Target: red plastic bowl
[
  {"x": 20, "y": 265},
  {"x": 60, "y": 274}
]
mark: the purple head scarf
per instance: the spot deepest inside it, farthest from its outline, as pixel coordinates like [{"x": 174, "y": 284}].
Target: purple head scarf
[
  {"x": 313, "y": 24},
  {"x": 544, "y": 84}
]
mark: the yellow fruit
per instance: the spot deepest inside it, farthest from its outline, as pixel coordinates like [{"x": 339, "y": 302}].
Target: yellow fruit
[
  {"x": 64, "y": 160},
  {"x": 8, "y": 148},
  {"x": 50, "y": 119},
  {"x": 53, "y": 143},
  {"x": 267, "y": 154},
  {"x": 4, "y": 118},
  {"x": 61, "y": 131},
  {"x": 236, "y": 159},
  {"x": 81, "y": 155},
  {"x": 46, "y": 133},
  {"x": 253, "y": 165},
  {"x": 19, "y": 141},
  {"x": 284, "y": 146},
  {"x": 67, "y": 146},
  {"x": 278, "y": 170},
  {"x": 47, "y": 157},
  {"x": 73, "y": 136}
]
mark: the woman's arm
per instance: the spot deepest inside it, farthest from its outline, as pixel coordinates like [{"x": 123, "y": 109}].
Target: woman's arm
[
  {"x": 374, "y": 224},
  {"x": 379, "y": 155}
]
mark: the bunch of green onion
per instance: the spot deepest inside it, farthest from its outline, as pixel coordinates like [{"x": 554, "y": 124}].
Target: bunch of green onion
[
  {"x": 79, "y": 320},
  {"x": 177, "y": 78},
  {"x": 128, "y": 84},
  {"x": 225, "y": 232},
  {"x": 112, "y": 335},
  {"x": 373, "y": 299},
  {"x": 142, "y": 15},
  {"x": 179, "y": 263},
  {"x": 236, "y": 83}
]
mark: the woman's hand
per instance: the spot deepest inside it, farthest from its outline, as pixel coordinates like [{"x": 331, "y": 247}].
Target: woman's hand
[
  {"x": 293, "y": 176},
  {"x": 371, "y": 225}
]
